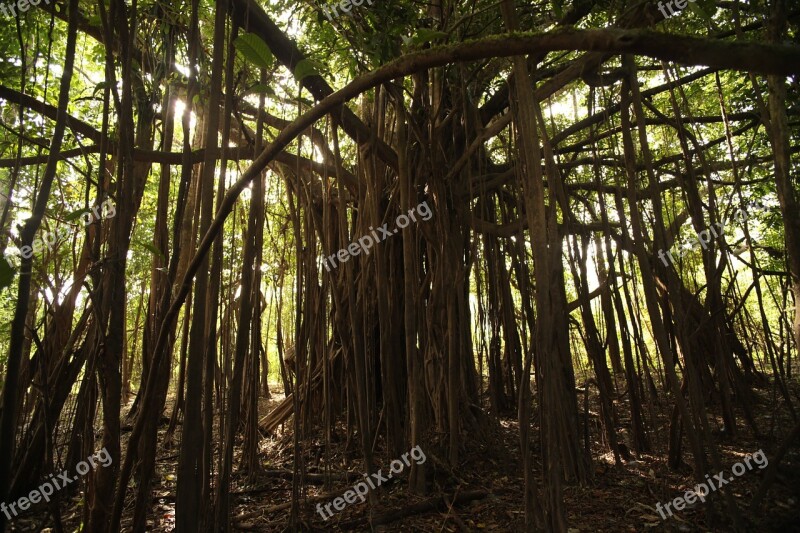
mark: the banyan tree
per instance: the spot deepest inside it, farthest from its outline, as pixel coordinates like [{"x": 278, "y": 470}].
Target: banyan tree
[{"x": 256, "y": 252}]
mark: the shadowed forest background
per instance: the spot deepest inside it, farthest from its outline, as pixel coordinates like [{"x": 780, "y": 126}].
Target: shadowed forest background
[{"x": 597, "y": 314}]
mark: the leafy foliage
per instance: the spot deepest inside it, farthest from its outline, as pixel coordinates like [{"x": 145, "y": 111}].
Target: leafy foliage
[{"x": 255, "y": 50}]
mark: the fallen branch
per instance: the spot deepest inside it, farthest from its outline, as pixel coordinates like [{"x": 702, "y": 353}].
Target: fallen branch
[{"x": 284, "y": 410}]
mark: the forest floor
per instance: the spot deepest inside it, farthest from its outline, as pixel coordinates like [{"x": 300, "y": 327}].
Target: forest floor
[
  {"x": 621, "y": 498},
  {"x": 489, "y": 479}
]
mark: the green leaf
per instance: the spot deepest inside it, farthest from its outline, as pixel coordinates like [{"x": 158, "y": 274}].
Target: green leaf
[
  {"x": 100, "y": 87},
  {"x": 255, "y": 50},
  {"x": 75, "y": 215},
  {"x": 705, "y": 9},
  {"x": 306, "y": 67},
  {"x": 261, "y": 88},
  {"x": 7, "y": 273},
  {"x": 150, "y": 248},
  {"x": 558, "y": 9},
  {"x": 425, "y": 35}
]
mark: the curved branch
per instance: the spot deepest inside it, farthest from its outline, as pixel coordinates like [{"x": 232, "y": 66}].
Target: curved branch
[
  {"x": 755, "y": 57},
  {"x": 762, "y": 58},
  {"x": 773, "y": 59},
  {"x": 46, "y": 110}
]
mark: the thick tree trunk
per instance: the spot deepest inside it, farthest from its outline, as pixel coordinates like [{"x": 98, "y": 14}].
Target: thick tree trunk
[
  {"x": 192, "y": 468},
  {"x": 786, "y": 185}
]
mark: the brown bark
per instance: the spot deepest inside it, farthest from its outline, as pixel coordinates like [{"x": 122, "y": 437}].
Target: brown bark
[
  {"x": 8, "y": 417},
  {"x": 192, "y": 468}
]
